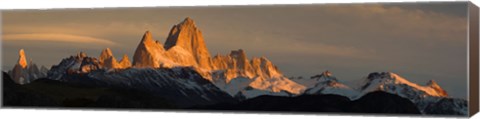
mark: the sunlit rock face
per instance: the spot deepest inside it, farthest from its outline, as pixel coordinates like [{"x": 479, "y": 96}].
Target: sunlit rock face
[
  {"x": 23, "y": 72},
  {"x": 148, "y": 52},
  {"x": 185, "y": 47},
  {"x": 108, "y": 61},
  {"x": 250, "y": 78},
  {"x": 125, "y": 62},
  {"x": 186, "y": 40},
  {"x": 22, "y": 60}
]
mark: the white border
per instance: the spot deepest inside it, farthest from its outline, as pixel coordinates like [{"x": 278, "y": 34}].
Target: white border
[{"x": 49, "y": 4}]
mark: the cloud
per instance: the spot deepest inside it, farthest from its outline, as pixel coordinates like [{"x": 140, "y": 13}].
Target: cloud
[
  {"x": 56, "y": 37},
  {"x": 397, "y": 22}
]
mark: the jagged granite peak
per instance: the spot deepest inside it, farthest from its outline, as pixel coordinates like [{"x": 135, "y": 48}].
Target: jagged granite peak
[
  {"x": 220, "y": 62},
  {"x": 77, "y": 64},
  {"x": 106, "y": 54},
  {"x": 264, "y": 66},
  {"x": 241, "y": 60},
  {"x": 188, "y": 38},
  {"x": 238, "y": 54},
  {"x": 147, "y": 37},
  {"x": 81, "y": 54},
  {"x": 185, "y": 47},
  {"x": 434, "y": 85},
  {"x": 250, "y": 78},
  {"x": 148, "y": 52},
  {"x": 111, "y": 63},
  {"x": 23, "y": 73},
  {"x": 125, "y": 61},
  {"x": 108, "y": 61},
  {"x": 32, "y": 65},
  {"x": 22, "y": 59}
]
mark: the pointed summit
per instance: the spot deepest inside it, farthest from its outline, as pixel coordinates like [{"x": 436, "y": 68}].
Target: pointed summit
[
  {"x": 81, "y": 54},
  {"x": 147, "y": 37},
  {"x": 106, "y": 53},
  {"x": 188, "y": 21},
  {"x": 262, "y": 66},
  {"x": 186, "y": 35},
  {"x": 125, "y": 62},
  {"x": 188, "y": 39},
  {"x": 22, "y": 60},
  {"x": 23, "y": 73},
  {"x": 148, "y": 52}
]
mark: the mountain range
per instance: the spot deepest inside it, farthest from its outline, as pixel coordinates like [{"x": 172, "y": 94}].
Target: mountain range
[{"x": 182, "y": 71}]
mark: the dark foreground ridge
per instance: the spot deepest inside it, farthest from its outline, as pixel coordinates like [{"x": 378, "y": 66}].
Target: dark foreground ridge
[
  {"x": 52, "y": 93},
  {"x": 375, "y": 102}
]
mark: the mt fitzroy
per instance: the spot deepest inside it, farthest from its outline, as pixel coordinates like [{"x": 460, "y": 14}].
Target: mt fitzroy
[
  {"x": 182, "y": 71},
  {"x": 237, "y": 75}
]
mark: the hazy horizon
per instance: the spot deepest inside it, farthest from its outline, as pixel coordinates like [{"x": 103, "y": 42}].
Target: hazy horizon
[{"x": 419, "y": 41}]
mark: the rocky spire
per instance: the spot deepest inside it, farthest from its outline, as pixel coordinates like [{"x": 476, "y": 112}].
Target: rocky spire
[
  {"x": 186, "y": 36},
  {"x": 22, "y": 60},
  {"x": 81, "y": 55},
  {"x": 23, "y": 73},
  {"x": 238, "y": 54},
  {"x": 106, "y": 54},
  {"x": 183, "y": 34},
  {"x": 147, "y": 37},
  {"x": 111, "y": 62},
  {"x": 241, "y": 60},
  {"x": 147, "y": 52},
  {"x": 125, "y": 62}
]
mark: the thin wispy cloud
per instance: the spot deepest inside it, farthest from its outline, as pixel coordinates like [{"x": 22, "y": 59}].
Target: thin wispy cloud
[{"x": 56, "y": 37}]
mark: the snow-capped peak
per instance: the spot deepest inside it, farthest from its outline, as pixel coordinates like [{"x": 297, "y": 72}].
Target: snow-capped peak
[
  {"x": 326, "y": 83},
  {"x": 391, "y": 82},
  {"x": 422, "y": 96}
]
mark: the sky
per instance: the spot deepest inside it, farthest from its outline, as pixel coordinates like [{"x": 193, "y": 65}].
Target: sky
[{"x": 418, "y": 41}]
